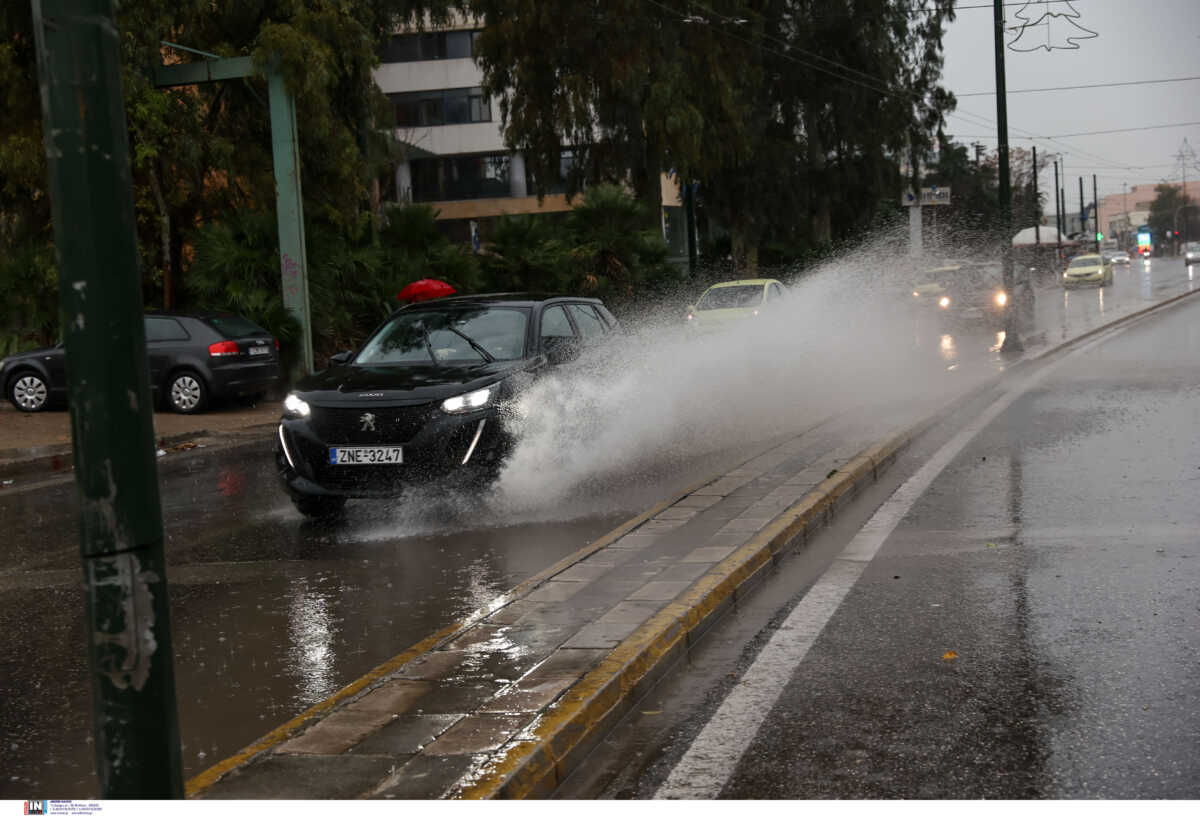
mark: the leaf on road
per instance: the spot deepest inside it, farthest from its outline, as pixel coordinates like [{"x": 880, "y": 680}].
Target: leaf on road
[{"x": 950, "y": 655}]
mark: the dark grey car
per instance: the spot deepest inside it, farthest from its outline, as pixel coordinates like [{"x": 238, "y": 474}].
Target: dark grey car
[{"x": 193, "y": 358}]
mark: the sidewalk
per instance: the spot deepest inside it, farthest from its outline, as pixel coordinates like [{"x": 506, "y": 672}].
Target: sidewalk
[{"x": 35, "y": 446}]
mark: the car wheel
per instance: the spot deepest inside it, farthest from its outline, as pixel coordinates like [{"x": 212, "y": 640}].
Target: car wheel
[
  {"x": 29, "y": 392},
  {"x": 319, "y": 506},
  {"x": 186, "y": 393}
]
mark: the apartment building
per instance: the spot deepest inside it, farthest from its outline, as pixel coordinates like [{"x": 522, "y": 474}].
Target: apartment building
[{"x": 457, "y": 161}]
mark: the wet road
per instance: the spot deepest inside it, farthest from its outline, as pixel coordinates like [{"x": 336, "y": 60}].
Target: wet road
[
  {"x": 1028, "y": 628},
  {"x": 272, "y": 614}
]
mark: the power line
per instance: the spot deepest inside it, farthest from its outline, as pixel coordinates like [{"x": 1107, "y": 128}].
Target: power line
[
  {"x": 1081, "y": 87},
  {"x": 1122, "y": 130}
]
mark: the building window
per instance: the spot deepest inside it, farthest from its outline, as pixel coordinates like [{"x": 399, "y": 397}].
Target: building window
[
  {"x": 558, "y": 186},
  {"x": 456, "y": 106},
  {"x": 454, "y": 178},
  {"x": 431, "y": 45}
]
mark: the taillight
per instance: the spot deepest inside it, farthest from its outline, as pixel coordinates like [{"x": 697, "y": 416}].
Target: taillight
[
  {"x": 226, "y": 348},
  {"x": 277, "y": 344}
]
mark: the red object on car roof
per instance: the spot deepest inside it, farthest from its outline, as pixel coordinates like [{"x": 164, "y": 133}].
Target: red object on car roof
[{"x": 425, "y": 289}]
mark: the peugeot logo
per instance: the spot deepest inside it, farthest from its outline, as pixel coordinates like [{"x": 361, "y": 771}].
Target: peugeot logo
[{"x": 367, "y": 422}]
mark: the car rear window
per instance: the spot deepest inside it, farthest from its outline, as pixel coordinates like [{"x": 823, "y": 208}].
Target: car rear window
[
  {"x": 232, "y": 327},
  {"x": 1084, "y": 261},
  {"x": 731, "y": 297}
]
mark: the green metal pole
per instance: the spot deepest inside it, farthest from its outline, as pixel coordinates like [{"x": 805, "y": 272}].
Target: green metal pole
[
  {"x": 121, "y": 535},
  {"x": 289, "y": 210}
]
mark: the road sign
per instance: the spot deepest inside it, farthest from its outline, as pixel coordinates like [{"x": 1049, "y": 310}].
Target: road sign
[{"x": 930, "y": 196}]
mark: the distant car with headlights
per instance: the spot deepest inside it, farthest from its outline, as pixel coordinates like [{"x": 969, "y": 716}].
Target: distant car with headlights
[
  {"x": 424, "y": 400},
  {"x": 725, "y": 304},
  {"x": 1086, "y": 270},
  {"x": 1121, "y": 258},
  {"x": 971, "y": 291},
  {"x": 1191, "y": 253},
  {"x": 194, "y": 359}
]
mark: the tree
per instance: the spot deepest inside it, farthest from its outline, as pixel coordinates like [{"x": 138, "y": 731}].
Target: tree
[{"x": 1167, "y": 212}]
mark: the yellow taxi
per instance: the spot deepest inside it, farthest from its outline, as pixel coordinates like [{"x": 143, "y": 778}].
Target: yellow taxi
[
  {"x": 727, "y": 303},
  {"x": 1088, "y": 269}
]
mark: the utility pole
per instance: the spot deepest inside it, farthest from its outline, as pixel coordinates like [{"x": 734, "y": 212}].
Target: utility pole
[
  {"x": 1082, "y": 211},
  {"x": 130, "y": 654},
  {"x": 1057, "y": 215},
  {"x": 1096, "y": 212},
  {"x": 689, "y": 212},
  {"x": 1037, "y": 206},
  {"x": 1011, "y": 341}
]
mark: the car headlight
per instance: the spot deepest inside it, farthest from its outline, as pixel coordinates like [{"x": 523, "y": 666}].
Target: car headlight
[
  {"x": 469, "y": 402},
  {"x": 1001, "y": 298},
  {"x": 916, "y": 294},
  {"x": 295, "y": 407},
  {"x": 944, "y": 302}
]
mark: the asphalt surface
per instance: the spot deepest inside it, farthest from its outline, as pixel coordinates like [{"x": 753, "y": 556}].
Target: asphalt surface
[
  {"x": 1029, "y": 629},
  {"x": 272, "y": 614}
]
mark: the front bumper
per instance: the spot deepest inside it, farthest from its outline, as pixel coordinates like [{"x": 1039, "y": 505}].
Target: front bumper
[
  {"x": 1083, "y": 280},
  {"x": 446, "y": 450}
]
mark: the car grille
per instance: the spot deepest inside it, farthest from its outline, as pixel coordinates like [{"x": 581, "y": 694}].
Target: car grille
[{"x": 387, "y": 426}]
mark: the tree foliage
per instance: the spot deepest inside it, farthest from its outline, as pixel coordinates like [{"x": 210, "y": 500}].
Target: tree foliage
[{"x": 1167, "y": 211}]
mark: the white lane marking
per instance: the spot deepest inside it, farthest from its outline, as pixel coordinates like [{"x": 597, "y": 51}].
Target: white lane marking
[{"x": 711, "y": 759}]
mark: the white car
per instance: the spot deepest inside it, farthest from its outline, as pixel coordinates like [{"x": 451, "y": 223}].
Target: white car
[{"x": 1191, "y": 252}]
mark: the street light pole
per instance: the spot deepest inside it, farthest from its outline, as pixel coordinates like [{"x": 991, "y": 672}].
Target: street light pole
[
  {"x": 1011, "y": 341},
  {"x": 1057, "y": 214},
  {"x": 1096, "y": 212}
]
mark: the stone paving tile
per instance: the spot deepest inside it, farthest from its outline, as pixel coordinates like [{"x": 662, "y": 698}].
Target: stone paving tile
[
  {"x": 676, "y": 513},
  {"x": 458, "y": 698},
  {"x": 279, "y": 776},
  {"x": 659, "y": 591},
  {"x": 476, "y": 734},
  {"x": 610, "y": 556},
  {"x": 561, "y": 614},
  {"x": 433, "y": 665},
  {"x": 636, "y": 612},
  {"x": 394, "y": 697},
  {"x": 526, "y": 696},
  {"x": 555, "y": 591},
  {"x": 567, "y": 663},
  {"x": 513, "y": 612},
  {"x": 600, "y": 635},
  {"x": 734, "y": 538},
  {"x": 406, "y": 734},
  {"x": 684, "y": 572},
  {"x": 636, "y": 541},
  {"x": 477, "y": 637},
  {"x": 335, "y": 733},
  {"x": 506, "y": 663},
  {"x": 744, "y": 524},
  {"x": 709, "y": 555},
  {"x": 424, "y": 777},
  {"x": 658, "y": 525},
  {"x": 697, "y": 501},
  {"x": 583, "y": 571}
]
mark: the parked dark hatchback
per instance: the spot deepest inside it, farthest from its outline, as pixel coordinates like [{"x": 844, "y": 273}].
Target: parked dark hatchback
[
  {"x": 424, "y": 399},
  {"x": 194, "y": 358}
]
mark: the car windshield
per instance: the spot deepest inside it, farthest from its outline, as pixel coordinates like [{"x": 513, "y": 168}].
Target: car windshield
[
  {"x": 452, "y": 336},
  {"x": 731, "y": 297},
  {"x": 1193, "y": 246},
  {"x": 1084, "y": 261},
  {"x": 232, "y": 327}
]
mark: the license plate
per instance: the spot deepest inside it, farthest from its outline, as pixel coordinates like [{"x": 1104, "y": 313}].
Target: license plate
[
  {"x": 260, "y": 350},
  {"x": 383, "y": 455}
]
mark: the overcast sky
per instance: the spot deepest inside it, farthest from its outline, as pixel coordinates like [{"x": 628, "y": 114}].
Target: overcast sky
[{"x": 1137, "y": 40}]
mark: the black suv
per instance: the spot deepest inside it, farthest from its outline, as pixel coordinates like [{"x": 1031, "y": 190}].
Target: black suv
[
  {"x": 424, "y": 398},
  {"x": 194, "y": 358}
]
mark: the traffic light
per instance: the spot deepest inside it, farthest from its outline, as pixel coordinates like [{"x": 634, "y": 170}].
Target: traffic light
[{"x": 1099, "y": 236}]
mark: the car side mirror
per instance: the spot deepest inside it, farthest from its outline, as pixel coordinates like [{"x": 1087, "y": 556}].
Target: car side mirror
[
  {"x": 341, "y": 358},
  {"x": 559, "y": 350}
]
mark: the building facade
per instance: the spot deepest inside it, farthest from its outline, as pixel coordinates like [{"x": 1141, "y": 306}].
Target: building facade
[{"x": 456, "y": 158}]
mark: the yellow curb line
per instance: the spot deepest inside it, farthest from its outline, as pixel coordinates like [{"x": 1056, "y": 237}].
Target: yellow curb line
[
  {"x": 208, "y": 777},
  {"x": 539, "y": 757}
]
